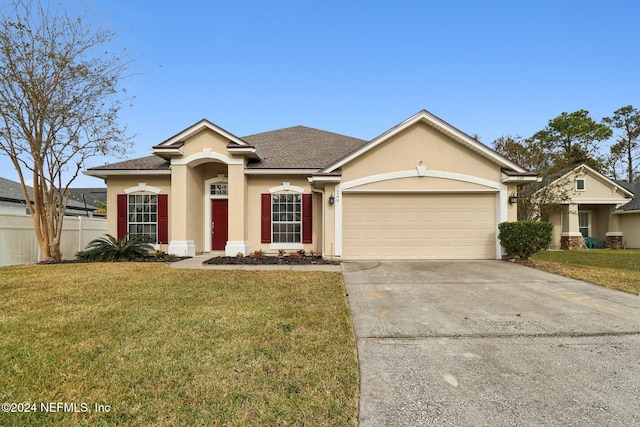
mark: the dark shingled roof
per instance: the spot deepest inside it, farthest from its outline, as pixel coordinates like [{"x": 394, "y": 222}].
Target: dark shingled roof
[
  {"x": 300, "y": 147},
  {"x": 12, "y": 191},
  {"x": 297, "y": 147},
  {"x": 634, "y": 204},
  {"x": 141, "y": 163}
]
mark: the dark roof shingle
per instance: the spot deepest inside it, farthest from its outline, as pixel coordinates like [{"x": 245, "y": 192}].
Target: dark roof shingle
[
  {"x": 634, "y": 204},
  {"x": 300, "y": 147},
  {"x": 141, "y": 163},
  {"x": 12, "y": 191}
]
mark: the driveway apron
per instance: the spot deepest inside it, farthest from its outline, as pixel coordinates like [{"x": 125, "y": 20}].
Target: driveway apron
[{"x": 491, "y": 343}]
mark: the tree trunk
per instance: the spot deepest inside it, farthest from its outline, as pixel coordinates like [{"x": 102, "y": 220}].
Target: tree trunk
[{"x": 630, "y": 160}]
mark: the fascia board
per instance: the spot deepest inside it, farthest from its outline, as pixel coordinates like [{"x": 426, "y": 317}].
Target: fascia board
[{"x": 199, "y": 127}]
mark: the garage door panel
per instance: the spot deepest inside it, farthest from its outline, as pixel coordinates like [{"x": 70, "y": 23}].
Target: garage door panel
[{"x": 411, "y": 226}]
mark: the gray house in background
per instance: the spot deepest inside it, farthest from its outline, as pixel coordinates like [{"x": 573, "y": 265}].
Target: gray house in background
[{"x": 81, "y": 202}]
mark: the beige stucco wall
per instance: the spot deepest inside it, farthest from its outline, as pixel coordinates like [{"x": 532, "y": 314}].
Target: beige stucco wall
[
  {"x": 630, "y": 224},
  {"x": 556, "y": 219},
  {"x": 512, "y": 210},
  {"x": 117, "y": 184},
  {"x": 206, "y": 139},
  {"x": 256, "y": 186},
  {"x": 420, "y": 143}
]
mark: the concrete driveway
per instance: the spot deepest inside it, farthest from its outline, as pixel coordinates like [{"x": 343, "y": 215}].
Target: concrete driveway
[{"x": 490, "y": 343}]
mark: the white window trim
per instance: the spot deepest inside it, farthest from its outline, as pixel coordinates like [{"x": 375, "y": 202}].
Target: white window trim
[
  {"x": 207, "y": 206},
  {"x": 141, "y": 188},
  {"x": 286, "y": 186},
  {"x": 590, "y": 216},
  {"x": 584, "y": 184},
  {"x": 287, "y": 245},
  {"x": 155, "y": 243}
]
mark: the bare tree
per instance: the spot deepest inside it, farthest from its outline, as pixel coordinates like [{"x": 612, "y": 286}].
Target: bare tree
[
  {"x": 625, "y": 150},
  {"x": 60, "y": 97}
]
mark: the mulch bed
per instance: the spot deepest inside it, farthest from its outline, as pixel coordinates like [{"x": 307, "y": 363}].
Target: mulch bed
[
  {"x": 270, "y": 260},
  {"x": 166, "y": 259}
]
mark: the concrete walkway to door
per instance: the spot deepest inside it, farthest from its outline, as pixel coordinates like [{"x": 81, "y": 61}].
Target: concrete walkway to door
[{"x": 490, "y": 343}]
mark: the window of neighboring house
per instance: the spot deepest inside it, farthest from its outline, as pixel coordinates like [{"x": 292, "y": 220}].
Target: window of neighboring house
[
  {"x": 143, "y": 216},
  {"x": 286, "y": 218},
  {"x": 584, "y": 223},
  {"x": 580, "y": 184}
]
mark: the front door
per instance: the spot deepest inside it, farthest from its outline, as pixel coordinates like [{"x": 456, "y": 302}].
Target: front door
[{"x": 219, "y": 223}]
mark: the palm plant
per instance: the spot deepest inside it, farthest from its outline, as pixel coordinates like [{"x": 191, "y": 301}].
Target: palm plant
[{"x": 108, "y": 248}]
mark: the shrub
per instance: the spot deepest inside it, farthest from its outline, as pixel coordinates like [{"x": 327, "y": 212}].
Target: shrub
[
  {"x": 524, "y": 238},
  {"x": 239, "y": 255},
  {"x": 295, "y": 255},
  {"x": 259, "y": 254},
  {"x": 108, "y": 248},
  {"x": 281, "y": 252}
]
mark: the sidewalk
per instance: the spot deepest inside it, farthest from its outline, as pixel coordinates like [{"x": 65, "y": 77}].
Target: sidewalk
[{"x": 196, "y": 263}]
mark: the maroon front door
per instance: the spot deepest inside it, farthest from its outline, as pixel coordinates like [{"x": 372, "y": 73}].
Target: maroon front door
[{"x": 219, "y": 224}]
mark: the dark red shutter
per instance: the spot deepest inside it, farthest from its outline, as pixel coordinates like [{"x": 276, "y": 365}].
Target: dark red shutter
[
  {"x": 122, "y": 216},
  {"x": 163, "y": 219},
  {"x": 307, "y": 218},
  {"x": 266, "y": 218}
]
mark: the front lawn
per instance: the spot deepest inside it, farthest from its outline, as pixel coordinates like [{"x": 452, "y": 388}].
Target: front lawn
[
  {"x": 161, "y": 346},
  {"x": 616, "y": 269}
]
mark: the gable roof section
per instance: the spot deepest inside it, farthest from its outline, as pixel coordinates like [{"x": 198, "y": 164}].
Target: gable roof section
[
  {"x": 173, "y": 146},
  {"x": 606, "y": 181},
  {"x": 195, "y": 129},
  {"x": 301, "y": 147},
  {"x": 435, "y": 122}
]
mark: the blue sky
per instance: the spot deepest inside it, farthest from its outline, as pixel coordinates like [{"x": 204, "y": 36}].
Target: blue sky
[{"x": 358, "y": 68}]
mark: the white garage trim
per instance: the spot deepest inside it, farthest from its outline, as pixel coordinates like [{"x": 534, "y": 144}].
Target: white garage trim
[{"x": 420, "y": 171}]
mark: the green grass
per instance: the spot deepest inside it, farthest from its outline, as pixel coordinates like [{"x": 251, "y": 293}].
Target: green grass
[
  {"x": 616, "y": 269},
  {"x": 163, "y": 346}
]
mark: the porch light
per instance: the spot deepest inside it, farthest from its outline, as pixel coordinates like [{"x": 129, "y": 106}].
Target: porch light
[
  {"x": 513, "y": 198},
  {"x": 332, "y": 199}
]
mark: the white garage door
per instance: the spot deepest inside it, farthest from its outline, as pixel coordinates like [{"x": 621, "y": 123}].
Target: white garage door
[{"x": 419, "y": 226}]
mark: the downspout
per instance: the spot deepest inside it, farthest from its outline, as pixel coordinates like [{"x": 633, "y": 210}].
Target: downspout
[{"x": 313, "y": 190}]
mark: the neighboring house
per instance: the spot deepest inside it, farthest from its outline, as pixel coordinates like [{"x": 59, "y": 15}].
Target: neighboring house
[
  {"x": 12, "y": 200},
  {"x": 90, "y": 197},
  {"x": 592, "y": 205},
  {"x": 423, "y": 189}
]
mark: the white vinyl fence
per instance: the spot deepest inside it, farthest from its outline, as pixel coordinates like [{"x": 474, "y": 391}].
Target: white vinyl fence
[{"x": 18, "y": 242}]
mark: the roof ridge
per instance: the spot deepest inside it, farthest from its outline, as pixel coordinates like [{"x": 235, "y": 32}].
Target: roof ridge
[{"x": 303, "y": 127}]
